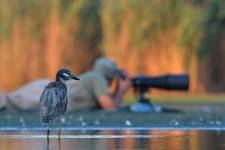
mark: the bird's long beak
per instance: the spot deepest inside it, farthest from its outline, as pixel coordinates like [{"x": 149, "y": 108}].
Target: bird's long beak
[{"x": 74, "y": 77}]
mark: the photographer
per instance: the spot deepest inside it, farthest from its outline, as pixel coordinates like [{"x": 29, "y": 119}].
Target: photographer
[{"x": 100, "y": 88}]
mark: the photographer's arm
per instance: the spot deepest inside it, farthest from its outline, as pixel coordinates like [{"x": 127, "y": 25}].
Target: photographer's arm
[{"x": 113, "y": 100}]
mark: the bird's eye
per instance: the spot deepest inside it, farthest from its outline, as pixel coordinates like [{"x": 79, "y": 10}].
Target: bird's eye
[{"x": 65, "y": 74}]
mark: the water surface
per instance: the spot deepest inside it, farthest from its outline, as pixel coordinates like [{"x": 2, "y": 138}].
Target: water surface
[
  {"x": 115, "y": 139},
  {"x": 108, "y": 130}
]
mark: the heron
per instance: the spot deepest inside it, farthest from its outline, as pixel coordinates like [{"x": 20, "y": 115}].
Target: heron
[{"x": 53, "y": 101}]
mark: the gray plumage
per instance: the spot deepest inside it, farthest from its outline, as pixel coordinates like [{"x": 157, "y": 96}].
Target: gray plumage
[{"x": 53, "y": 101}]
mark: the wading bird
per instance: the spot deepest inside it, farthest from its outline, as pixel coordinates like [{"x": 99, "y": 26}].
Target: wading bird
[{"x": 53, "y": 101}]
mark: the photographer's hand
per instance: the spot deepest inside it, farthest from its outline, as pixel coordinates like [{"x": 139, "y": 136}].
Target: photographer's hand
[
  {"x": 113, "y": 100},
  {"x": 123, "y": 85}
]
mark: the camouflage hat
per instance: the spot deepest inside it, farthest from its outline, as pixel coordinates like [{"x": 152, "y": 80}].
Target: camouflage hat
[{"x": 107, "y": 67}]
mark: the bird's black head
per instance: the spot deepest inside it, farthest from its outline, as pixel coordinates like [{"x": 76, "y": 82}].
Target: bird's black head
[{"x": 65, "y": 74}]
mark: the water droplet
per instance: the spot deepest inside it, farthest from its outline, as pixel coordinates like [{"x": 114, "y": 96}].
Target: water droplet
[
  {"x": 83, "y": 123},
  {"x": 63, "y": 119},
  {"x": 174, "y": 122},
  {"x": 128, "y": 123},
  {"x": 80, "y": 118},
  {"x": 211, "y": 122},
  {"x": 218, "y": 122}
]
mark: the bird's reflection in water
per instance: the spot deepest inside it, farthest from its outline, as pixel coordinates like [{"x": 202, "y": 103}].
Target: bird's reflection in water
[
  {"x": 59, "y": 140},
  {"x": 59, "y": 132},
  {"x": 48, "y": 140}
]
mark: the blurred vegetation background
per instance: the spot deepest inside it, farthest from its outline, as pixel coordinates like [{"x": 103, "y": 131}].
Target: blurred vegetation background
[{"x": 149, "y": 37}]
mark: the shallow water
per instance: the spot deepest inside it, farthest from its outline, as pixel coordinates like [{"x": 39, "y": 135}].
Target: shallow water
[
  {"x": 103, "y": 130},
  {"x": 114, "y": 139}
]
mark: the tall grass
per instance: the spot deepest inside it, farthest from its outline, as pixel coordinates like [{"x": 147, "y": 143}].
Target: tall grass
[
  {"x": 38, "y": 37},
  {"x": 149, "y": 37}
]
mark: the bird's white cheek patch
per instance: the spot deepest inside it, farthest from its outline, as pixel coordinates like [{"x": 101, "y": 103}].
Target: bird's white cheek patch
[{"x": 66, "y": 75}]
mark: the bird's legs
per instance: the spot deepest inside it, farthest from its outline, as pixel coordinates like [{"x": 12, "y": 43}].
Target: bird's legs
[
  {"x": 59, "y": 124},
  {"x": 47, "y": 135}
]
